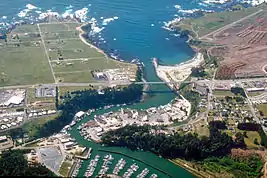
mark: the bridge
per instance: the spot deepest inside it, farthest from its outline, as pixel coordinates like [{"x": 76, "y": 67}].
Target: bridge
[{"x": 124, "y": 82}]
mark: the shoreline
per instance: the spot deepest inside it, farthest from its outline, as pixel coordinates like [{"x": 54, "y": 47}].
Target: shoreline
[
  {"x": 178, "y": 72},
  {"x": 88, "y": 43},
  {"x": 168, "y": 73}
]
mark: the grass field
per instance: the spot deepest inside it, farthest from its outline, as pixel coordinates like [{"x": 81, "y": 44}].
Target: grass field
[
  {"x": 29, "y": 48},
  {"x": 222, "y": 93},
  {"x": 72, "y": 49},
  {"x": 214, "y": 21},
  {"x": 201, "y": 128},
  {"x": 31, "y": 128},
  {"x": 263, "y": 109},
  {"x": 64, "y": 169},
  {"x": 76, "y": 77},
  {"x": 81, "y": 65},
  {"x": 64, "y": 90},
  {"x": 251, "y": 136},
  {"x": 252, "y": 94},
  {"x": 58, "y": 27},
  {"x": 31, "y": 97},
  {"x": 24, "y": 65}
]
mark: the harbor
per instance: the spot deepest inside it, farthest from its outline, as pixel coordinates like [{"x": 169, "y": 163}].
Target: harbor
[
  {"x": 106, "y": 165},
  {"x": 122, "y": 158}
]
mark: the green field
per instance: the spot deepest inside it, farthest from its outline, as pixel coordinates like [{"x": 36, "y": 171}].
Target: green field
[
  {"x": 82, "y": 65},
  {"x": 24, "y": 65},
  {"x": 72, "y": 49},
  {"x": 31, "y": 128},
  {"x": 250, "y": 140},
  {"x": 31, "y": 97},
  {"x": 251, "y": 136},
  {"x": 214, "y": 21},
  {"x": 26, "y": 29},
  {"x": 263, "y": 109},
  {"x": 222, "y": 93},
  {"x": 64, "y": 169},
  {"x": 26, "y": 54},
  {"x": 252, "y": 94},
  {"x": 58, "y": 27},
  {"x": 76, "y": 77},
  {"x": 63, "y": 90}
]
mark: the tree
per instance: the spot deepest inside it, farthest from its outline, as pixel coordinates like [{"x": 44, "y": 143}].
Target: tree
[
  {"x": 245, "y": 134},
  {"x": 218, "y": 124},
  {"x": 256, "y": 142},
  {"x": 188, "y": 146},
  {"x": 239, "y": 140},
  {"x": 57, "y": 104},
  {"x": 13, "y": 163}
]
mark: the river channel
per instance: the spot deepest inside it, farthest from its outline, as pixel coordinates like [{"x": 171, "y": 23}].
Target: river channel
[{"x": 154, "y": 163}]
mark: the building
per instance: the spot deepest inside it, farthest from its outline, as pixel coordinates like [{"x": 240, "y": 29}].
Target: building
[
  {"x": 255, "y": 89},
  {"x": 5, "y": 143},
  {"x": 79, "y": 114},
  {"x": 46, "y": 92},
  {"x": 3, "y": 139},
  {"x": 68, "y": 145}
]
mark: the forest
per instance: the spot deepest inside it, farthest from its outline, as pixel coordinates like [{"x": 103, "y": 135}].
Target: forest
[
  {"x": 188, "y": 146},
  {"x": 237, "y": 166},
  {"x": 13, "y": 163}
]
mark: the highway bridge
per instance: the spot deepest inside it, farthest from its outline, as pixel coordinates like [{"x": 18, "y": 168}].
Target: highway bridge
[{"x": 123, "y": 82}]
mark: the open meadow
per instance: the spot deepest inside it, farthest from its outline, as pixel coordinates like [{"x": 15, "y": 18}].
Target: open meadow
[
  {"x": 213, "y": 21},
  {"x": 51, "y": 52}
]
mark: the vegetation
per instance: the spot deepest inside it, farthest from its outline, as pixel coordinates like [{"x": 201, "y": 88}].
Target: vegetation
[
  {"x": 31, "y": 128},
  {"x": 238, "y": 167},
  {"x": 24, "y": 60},
  {"x": 263, "y": 109},
  {"x": 211, "y": 21},
  {"x": 188, "y": 146},
  {"x": 218, "y": 125},
  {"x": 192, "y": 96},
  {"x": 13, "y": 163},
  {"x": 198, "y": 72},
  {"x": 64, "y": 169},
  {"x": 238, "y": 91},
  {"x": 84, "y": 100},
  {"x": 254, "y": 127},
  {"x": 31, "y": 97},
  {"x": 222, "y": 93}
]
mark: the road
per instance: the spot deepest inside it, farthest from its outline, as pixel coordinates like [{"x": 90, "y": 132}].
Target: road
[
  {"x": 250, "y": 105},
  {"x": 231, "y": 24},
  {"x": 122, "y": 82},
  {"x": 46, "y": 53}
]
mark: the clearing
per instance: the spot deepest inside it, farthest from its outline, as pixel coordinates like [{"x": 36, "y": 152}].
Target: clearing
[
  {"x": 213, "y": 21},
  {"x": 263, "y": 109},
  {"x": 51, "y": 52}
]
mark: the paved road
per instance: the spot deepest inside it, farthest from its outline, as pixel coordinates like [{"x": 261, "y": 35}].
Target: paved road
[
  {"x": 109, "y": 83},
  {"x": 250, "y": 105}
]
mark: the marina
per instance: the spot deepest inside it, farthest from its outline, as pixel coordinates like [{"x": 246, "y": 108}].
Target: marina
[
  {"x": 149, "y": 164},
  {"x": 105, "y": 164}
]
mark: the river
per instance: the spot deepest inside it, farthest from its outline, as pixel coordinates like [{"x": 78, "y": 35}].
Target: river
[{"x": 143, "y": 159}]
